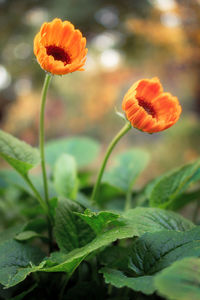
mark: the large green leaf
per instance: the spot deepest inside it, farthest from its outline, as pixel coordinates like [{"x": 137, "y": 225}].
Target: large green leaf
[
  {"x": 83, "y": 149},
  {"x": 116, "y": 278},
  {"x": 18, "y": 154},
  {"x": 155, "y": 251},
  {"x": 65, "y": 176},
  {"x": 127, "y": 168},
  {"x": 148, "y": 255},
  {"x": 180, "y": 281},
  {"x": 147, "y": 220},
  {"x": 15, "y": 257},
  {"x": 71, "y": 231},
  {"x": 172, "y": 185}
]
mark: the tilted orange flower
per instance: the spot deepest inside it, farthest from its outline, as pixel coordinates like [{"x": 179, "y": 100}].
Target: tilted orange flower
[
  {"x": 148, "y": 108},
  {"x": 60, "y": 48}
]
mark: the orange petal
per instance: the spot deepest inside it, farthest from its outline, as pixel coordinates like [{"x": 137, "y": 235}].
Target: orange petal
[
  {"x": 166, "y": 107},
  {"x": 148, "y": 89}
]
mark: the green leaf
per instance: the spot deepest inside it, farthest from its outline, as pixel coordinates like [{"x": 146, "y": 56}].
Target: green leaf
[
  {"x": 127, "y": 168},
  {"x": 180, "y": 281},
  {"x": 70, "y": 230},
  {"x": 172, "y": 185},
  {"x": 142, "y": 284},
  {"x": 115, "y": 257},
  {"x": 11, "y": 232},
  {"x": 15, "y": 256},
  {"x": 37, "y": 225},
  {"x": 155, "y": 251},
  {"x": 27, "y": 235},
  {"x": 99, "y": 221},
  {"x": 18, "y": 154},
  {"x": 184, "y": 199},
  {"x": 83, "y": 149},
  {"x": 65, "y": 176},
  {"x": 147, "y": 219},
  {"x": 134, "y": 223},
  {"x": 148, "y": 255},
  {"x": 13, "y": 178}
]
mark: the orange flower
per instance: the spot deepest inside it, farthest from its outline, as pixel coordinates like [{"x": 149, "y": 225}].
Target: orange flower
[
  {"x": 148, "y": 108},
  {"x": 59, "y": 48}
]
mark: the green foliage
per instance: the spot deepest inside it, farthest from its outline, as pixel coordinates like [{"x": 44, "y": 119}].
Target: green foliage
[
  {"x": 127, "y": 168},
  {"x": 14, "y": 257},
  {"x": 99, "y": 221},
  {"x": 18, "y": 154},
  {"x": 11, "y": 232},
  {"x": 146, "y": 219},
  {"x": 170, "y": 186},
  {"x": 155, "y": 251},
  {"x": 142, "y": 284},
  {"x": 116, "y": 257},
  {"x": 12, "y": 178},
  {"x": 71, "y": 231},
  {"x": 148, "y": 255},
  {"x": 66, "y": 238},
  {"x": 26, "y": 235},
  {"x": 180, "y": 281},
  {"x": 138, "y": 249},
  {"x": 83, "y": 149},
  {"x": 65, "y": 176}
]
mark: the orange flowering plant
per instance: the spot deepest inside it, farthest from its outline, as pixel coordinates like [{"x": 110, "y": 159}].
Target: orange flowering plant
[{"x": 104, "y": 236}]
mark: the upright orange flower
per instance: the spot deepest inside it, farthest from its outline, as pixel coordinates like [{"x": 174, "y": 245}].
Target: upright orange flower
[
  {"x": 60, "y": 48},
  {"x": 148, "y": 108}
]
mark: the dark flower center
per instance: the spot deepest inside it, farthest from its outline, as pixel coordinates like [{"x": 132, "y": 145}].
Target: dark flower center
[
  {"x": 58, "y": 54},
  {"x": 147, "y": 107}
]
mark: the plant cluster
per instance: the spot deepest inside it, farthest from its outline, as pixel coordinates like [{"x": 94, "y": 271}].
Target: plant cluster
[{"x": 105, "y": 241}]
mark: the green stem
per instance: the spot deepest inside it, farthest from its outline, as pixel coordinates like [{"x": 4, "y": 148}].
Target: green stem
[
  {"x": 42, "y": 153},
  {"x": 128, "y": 200},
  {"x": 120, "y": 134},
  {"x": 45, "y": 208},
  {"x": 64, "y": 284},
  {"x": 36, "y": 193}
]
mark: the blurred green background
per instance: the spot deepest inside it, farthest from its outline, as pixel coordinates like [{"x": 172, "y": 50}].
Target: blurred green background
[{"x": 127, "y": 40}]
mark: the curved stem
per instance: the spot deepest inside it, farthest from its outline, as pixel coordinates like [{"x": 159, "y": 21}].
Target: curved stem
[
  {"x": 120, "y": 134},
  {"x": 36, "y": 193},
  {"x": 42, "y": 153}
]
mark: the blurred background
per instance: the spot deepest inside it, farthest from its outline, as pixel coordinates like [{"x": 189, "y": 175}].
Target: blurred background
[{"x": 127, "y": 40}]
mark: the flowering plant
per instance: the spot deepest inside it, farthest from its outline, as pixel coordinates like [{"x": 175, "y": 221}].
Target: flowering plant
[{"x": 101, "y": 241}]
